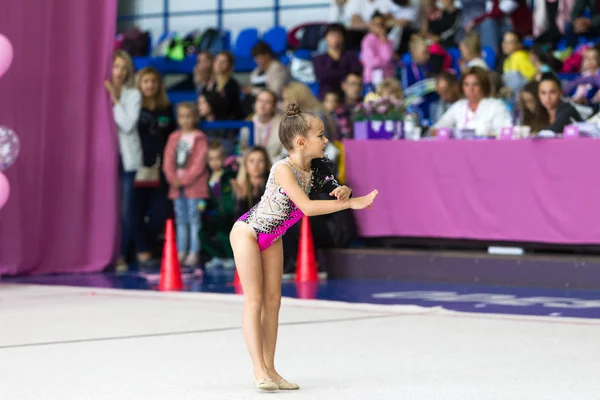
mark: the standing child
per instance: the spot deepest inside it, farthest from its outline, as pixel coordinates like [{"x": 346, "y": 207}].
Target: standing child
[
  {"x": 339, "y": 114},
  {"x": 255, "y": 237},
  {"x": 219, "y": 215},
  {"x": 184, "y": 166}
]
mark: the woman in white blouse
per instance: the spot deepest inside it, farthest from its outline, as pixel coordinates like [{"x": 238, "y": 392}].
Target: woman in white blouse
[
  {"x": 477, "y": 111},
  {"x": 126, "y": 100}
]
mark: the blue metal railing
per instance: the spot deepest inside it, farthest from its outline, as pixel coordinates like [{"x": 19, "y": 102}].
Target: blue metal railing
[
  {"x": 220, "y": 11},
  {"x": 231, "y": 125}
]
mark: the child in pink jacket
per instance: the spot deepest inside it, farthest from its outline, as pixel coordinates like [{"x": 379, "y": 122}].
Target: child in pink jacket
[
  {"x": 184, "y": 165},
  {"x": 377, "y": 52}
]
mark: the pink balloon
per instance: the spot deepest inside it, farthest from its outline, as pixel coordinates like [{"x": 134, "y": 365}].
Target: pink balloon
[
  {"x": 4, "y": 190},
  {"x": 6, "y": 54}
]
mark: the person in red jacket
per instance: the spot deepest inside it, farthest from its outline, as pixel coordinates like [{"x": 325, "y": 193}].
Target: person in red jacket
[{"x": 185, "y": 167}]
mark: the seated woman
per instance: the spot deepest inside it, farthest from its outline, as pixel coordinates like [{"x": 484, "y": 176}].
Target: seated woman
[
  {"x": 203, "y": 70},
  {"x": 477, "y": 111},
  {"x": 225, "y": 85},
  {"x": 210, "y": 109},
  {"x": 529, "y": 108},
  {"x": 266, "y": 125},
  {"x": 558, "y": 112}
]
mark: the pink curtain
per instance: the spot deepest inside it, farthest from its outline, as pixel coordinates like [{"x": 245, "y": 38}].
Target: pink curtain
[{"x": 62, "y": 212}]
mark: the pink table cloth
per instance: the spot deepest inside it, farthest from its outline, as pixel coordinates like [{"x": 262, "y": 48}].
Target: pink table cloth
[{"x": 524, "y": 190}]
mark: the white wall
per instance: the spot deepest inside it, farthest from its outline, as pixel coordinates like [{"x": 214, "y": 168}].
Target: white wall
[{"x": 261, "y": 19}]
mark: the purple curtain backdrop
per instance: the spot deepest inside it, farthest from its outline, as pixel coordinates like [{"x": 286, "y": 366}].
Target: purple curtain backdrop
[{"x": 62, "y": 212}]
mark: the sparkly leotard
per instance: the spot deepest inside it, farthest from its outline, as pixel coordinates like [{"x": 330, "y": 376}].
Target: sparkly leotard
[{"x": 275, "y": 213}]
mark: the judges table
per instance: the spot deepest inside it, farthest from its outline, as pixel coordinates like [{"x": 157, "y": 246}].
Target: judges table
[{"x": 538, "y": 190}]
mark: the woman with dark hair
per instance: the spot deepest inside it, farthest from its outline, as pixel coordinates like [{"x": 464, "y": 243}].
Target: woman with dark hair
[
  {"x": 530, "y": 110},
  {"x": 560, "y": 113},
  {"x": 477, "y": 111},
  {"x": 225, "y": 85},
  {"x": 211, "y": 107},
  {"x": 156, "y": 123},
  {"x": 203, "y": 70}
]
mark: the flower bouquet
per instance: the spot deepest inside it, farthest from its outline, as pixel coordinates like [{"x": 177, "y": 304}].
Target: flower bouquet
[{"x": 378, "y": 118}]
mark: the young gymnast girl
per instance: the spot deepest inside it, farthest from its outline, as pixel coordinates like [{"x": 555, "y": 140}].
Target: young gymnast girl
[{"x": 255, "y": 237}]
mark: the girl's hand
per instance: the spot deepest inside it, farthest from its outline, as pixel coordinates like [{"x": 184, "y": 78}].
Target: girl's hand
[
  {"x": 342, "y": 193},
  {"x": 176, "y": 185},
  {"x": 359, "y": 203}
]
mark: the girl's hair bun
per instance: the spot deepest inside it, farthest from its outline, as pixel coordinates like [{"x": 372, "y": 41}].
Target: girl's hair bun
[{"x": 292, "y": 110}]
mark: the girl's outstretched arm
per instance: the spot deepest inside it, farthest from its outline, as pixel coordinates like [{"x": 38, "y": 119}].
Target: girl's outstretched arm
[{"x": 285, "y": 177}]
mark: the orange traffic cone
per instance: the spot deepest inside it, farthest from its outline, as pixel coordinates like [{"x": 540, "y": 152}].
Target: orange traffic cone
[
  {"x": 237, "y": 284},
  {"x": 170, "y": 271},
  {"x": 306, "y": 262}
]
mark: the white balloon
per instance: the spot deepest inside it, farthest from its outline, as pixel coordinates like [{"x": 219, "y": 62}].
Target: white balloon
[{"x": 9, "y": 147}]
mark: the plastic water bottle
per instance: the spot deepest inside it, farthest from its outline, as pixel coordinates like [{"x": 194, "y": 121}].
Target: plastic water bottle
[{"x": 409, "y": 126}]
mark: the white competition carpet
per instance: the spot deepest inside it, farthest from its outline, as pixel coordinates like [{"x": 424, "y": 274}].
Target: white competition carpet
[{"x": 65, "y": 343}]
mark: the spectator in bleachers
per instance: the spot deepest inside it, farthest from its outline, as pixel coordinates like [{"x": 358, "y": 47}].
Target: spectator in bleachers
[
  {"x": 440, "y": 25},
  {"x": 391, "y": 89},
  {"x": 361, "y": 11},
  {"x": 266, "y": 126},
  {"x": 448, "y": 89},
  {"x": 337, "y": 12},
  {"x": 250, "y": 188},
  {"x": 502, "y": 14},
  {"x": 300, "y": 94},
  {"x": 377, "y": 52},
  {"x": 156, "y": 123},
  {"x": 550, "y": 19},
  {"x": 225, "y": 85},
  {"x": 542, "y": 59},
  {"x": 352, "y": 88},
  {"x": 203, "y": 70},
  {"x": 425, "y": 64},
  {"x": 332, "y": 67},
  {"x": 530, "y": 109},
  {"x": 126, "y": 100},
  {"x": 187, "y": 174},
  {"x": 269, "y": 72},
  {"x": 470, "y": 51},
  {"x": 583, "y": 25},
  {"x": 470, "y": 10},
  {"x": 559, "y": 113},
  {"x": 341, "y": 116},
  {"x": 517, "y": 68},
  {"x": 404, "y": 19},
  {"x": 590, "y": 66},
  {"x": 211, "y": 108},
  {"x": 477, "y": 111},
  {"x": 218, "y": 217}
]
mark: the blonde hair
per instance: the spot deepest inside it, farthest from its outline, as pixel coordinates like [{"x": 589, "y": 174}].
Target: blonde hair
[
  {"x": 473, "y": 43},
  {"x": 416, "y": 41},
  {"x": 190, "y": 106},
  {"x": 301, "y": 95},
  {"x": 392, "y": 86},
  {"x": 161, "y": 98},
  {"x": 123, "y": 55}
]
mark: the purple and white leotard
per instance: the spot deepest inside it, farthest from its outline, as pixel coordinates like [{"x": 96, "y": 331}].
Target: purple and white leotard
[{"x": 275, "y": 213}]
